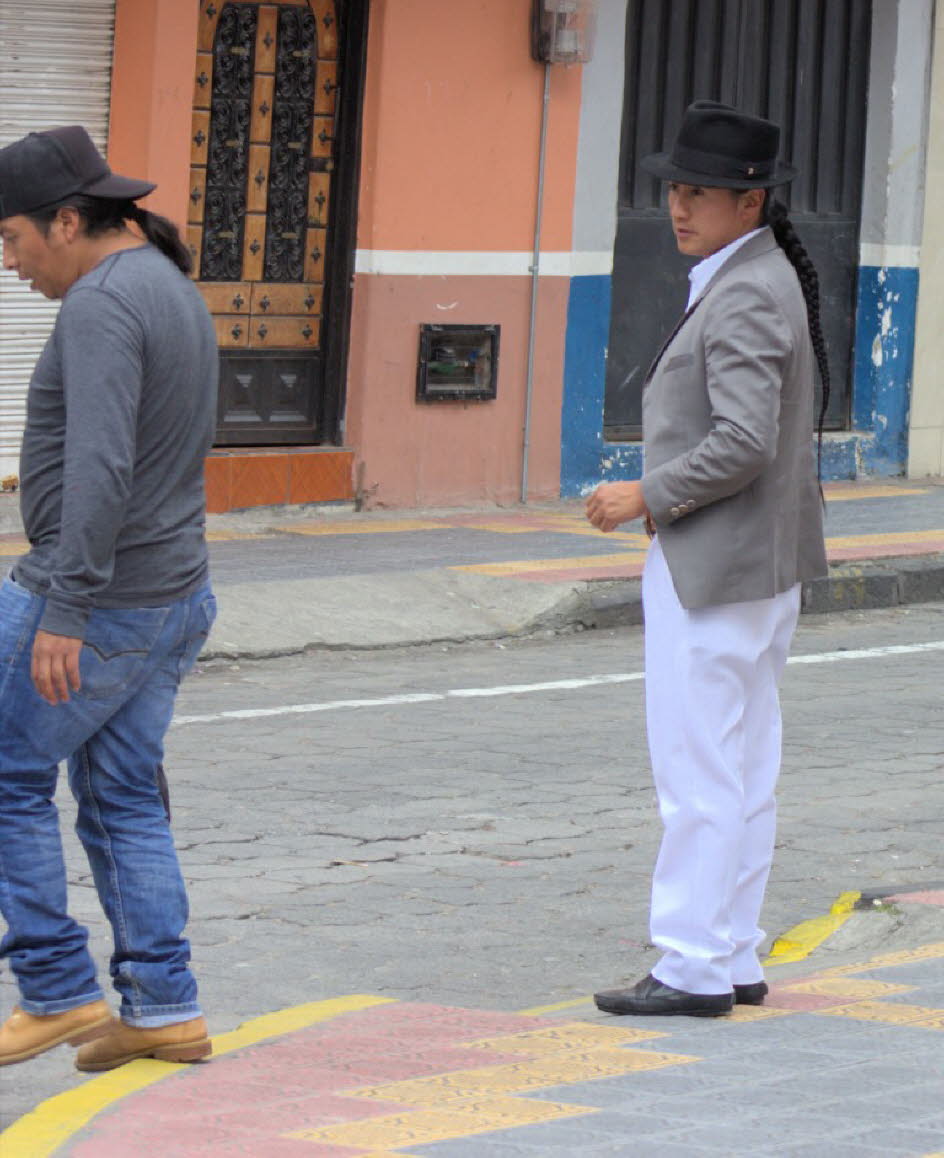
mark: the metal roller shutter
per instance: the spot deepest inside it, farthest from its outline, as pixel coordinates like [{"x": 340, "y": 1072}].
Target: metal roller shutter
[{"x": 55, "y": 69}]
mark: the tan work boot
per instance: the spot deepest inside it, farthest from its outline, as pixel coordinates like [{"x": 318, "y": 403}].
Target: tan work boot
[
  {"x": 185, "y": 1041},
  {"x": 24, "y": 1035}
]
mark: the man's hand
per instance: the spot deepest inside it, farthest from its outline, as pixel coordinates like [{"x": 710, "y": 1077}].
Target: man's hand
[
  {"x": 615, "y": 503},
  {"x": 55, "y": 666}
]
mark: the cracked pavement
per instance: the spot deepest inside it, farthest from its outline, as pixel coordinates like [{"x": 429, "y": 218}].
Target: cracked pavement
[{"x": 495, "y": 852}]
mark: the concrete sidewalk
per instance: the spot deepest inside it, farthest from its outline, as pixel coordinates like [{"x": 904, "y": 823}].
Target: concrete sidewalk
[
  {"x": 846, "y": 1057},
  {"x": 291, "y": 579}
]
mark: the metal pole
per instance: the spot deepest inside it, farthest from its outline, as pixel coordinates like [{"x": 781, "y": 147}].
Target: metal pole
[{"x": 535, "y": 276}]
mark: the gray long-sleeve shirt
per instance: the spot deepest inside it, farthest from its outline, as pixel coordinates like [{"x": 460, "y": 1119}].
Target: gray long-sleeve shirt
[{"x": 120, "y": 415}]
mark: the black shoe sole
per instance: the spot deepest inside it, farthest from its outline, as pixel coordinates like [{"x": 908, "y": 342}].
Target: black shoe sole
[
  {"x": 622, "y": 1012},
  {"x": 750, "y": 994}
]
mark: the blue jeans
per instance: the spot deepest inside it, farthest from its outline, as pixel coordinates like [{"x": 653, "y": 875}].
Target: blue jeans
[{"x": 112, "y": 734}]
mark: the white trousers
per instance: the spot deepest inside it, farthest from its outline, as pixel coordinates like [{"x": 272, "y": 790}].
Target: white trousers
[{"x": 713, "y": 719}]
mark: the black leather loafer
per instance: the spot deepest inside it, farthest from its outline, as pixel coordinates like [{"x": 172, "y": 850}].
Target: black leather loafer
[
  {"x": 752, "y": 994},
  {"x": 650, "y": 996}
]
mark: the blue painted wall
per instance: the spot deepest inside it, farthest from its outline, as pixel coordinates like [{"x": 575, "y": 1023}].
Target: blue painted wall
[
  {"x": 886, "y": 310},
  {"x": 877, "y": 445}
]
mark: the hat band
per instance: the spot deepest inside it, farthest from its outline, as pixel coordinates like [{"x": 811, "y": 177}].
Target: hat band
[{"x": 716, "y": 165}]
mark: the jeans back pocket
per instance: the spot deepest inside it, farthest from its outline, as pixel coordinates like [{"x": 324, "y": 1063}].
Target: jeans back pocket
[{"x": 117, "y": 645}]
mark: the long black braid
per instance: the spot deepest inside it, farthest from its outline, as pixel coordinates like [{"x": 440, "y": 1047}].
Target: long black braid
[{"x": 775, "y": 215}]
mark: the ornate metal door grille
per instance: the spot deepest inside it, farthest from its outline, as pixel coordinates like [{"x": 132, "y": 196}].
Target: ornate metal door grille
[
  {"x": 292, "y": 118},
  {"x": 228, "y": 155},
  {"x": 262, "y": 160}
]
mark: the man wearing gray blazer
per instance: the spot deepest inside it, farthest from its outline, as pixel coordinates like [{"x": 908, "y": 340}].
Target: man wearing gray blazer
[{"x": 730, "y": 492}]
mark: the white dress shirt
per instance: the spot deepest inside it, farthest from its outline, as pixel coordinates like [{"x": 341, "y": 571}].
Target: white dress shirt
[{"x": 699, "y": 275}]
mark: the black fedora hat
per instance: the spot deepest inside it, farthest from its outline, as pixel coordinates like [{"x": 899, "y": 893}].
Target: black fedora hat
[
  {"x": 42, "y": 169},
  {"x": 721, "y": 147}
]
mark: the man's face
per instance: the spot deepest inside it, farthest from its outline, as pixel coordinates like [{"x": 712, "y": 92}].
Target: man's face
[
  {"x": 42, "y": 259},
  {"x": 707, "y": 219}
]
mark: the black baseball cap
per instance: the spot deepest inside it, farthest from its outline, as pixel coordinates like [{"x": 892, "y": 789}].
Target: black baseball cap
[{"x": 44, "y": 168}]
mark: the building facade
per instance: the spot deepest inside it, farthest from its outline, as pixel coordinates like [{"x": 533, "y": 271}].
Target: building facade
[
  {"x": 435, "y": 274},
  {"x": 854, "y": 103}
]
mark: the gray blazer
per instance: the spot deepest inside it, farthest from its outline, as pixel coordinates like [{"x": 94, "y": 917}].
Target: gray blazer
[{"x": 730, "y": 469}]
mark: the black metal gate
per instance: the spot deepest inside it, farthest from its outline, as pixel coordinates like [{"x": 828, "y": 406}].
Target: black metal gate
[{"x": 803, "y": 64}]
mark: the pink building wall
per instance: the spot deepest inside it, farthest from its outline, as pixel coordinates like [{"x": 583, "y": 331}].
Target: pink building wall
[
  {"x": 452, "y": 123},
  {"x": 446, "y": 216}
]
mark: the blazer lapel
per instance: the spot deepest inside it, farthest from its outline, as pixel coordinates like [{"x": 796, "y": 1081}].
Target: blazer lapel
[
  {"x": 762, "y": 243},
  {"x": 671, "y": 338}
]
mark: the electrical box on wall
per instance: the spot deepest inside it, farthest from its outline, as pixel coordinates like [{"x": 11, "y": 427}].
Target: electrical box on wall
[
  {"x": 563, "y": 31},
  {"x": 457, "y": 362}
]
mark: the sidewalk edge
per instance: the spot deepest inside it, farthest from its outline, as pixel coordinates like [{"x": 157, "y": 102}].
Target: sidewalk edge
[{"x": 41, "y": 1132}]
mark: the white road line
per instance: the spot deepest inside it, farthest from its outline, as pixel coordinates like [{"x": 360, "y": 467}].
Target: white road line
[{"x": 524, "y": 689}]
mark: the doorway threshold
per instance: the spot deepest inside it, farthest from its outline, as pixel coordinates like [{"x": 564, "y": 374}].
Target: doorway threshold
[{"x": 258, "y": 476}]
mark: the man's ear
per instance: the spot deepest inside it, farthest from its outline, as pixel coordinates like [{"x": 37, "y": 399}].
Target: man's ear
[
  {"x": 751, "y": 205},
  {"x": 69, "y": 223}
]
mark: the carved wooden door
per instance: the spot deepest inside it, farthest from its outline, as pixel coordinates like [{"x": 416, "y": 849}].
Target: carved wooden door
[{"x": 262, "y": 161}]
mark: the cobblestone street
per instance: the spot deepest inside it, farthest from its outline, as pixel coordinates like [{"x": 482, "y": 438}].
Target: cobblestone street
[{"x": 467, "y": 836}]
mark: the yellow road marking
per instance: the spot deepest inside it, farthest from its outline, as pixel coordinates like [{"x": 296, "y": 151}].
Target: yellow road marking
[
  {"x": 234, "y": 536},
  {"x": 578, "y": 1035},
  {"x": 633, "y": 538},
  {"x": 578, "y": 561},
  {"x": 847, "y": 987},
  {"x": 478, "y": 1100},
  {"x": 43, "y": 1130},
  {"x": 355, "y": 528},
  {"x": 753, "y": 1013},
  {"x": 462, "y": 1120},
  {"x": 563, "y": 1067},
  {"x": 537, "y": 1010},
  {"x": 841, "y": 492},
  {"x": 885, "y": 538},
  {"x": 10, "y": 547},
  {"x": 884, "y": 960},
  {"x": 893, "y": 1013},
  {"x": 801, "y": 940}
]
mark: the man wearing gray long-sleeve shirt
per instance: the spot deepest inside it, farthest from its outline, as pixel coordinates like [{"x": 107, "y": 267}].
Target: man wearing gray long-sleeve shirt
[{"x": 109, "y": 608}]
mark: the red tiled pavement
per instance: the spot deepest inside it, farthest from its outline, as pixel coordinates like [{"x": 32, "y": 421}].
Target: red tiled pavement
[
  {"x": 247, "y": 1101},
  {"x": 926, "y": 897}
]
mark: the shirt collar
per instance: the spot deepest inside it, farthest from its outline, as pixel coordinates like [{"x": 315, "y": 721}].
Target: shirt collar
[{"x": 702, "y": 273}]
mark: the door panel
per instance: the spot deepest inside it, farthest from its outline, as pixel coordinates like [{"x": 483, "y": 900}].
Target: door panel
[
  {"x": 803, "y": 64},
  {"x": 303, "y": 300},
  {"x": 262, "y": 157}
]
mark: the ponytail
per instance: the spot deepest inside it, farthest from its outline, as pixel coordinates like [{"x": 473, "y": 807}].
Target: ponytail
[
  {"x": 775, "y": 215},
  {"x": 163, "y": 234},
  {"x": 104, "y": 214}
]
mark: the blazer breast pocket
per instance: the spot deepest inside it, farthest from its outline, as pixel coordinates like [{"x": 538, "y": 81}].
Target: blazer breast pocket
[{"x": 679, "y": 362}]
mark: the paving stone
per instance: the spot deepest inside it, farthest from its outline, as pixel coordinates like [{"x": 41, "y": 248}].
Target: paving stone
[{"x": 374, "y": 851}]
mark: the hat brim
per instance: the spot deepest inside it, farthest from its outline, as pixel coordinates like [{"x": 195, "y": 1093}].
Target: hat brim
[
  {"x": 661, "y": 165},
  {"x": 118, "y": 188}
]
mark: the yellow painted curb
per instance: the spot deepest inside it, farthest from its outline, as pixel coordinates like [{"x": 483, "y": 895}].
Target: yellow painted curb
[
  {"x": 802, "y": 939},
  {"x": 42, "y": 1131},
  {"x": 794, "y": 945}
]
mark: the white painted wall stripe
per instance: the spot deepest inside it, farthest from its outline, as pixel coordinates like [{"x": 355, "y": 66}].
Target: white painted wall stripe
[
  {"x": 554, "y": 263},
  {"x": 459, "y": 263},
  {"x": 896, "y": 256},
  {"x": 526, "y": 689}
]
